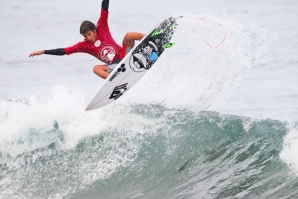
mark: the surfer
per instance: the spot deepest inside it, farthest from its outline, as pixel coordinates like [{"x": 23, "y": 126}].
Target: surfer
[{"x": 99, "y": 43}]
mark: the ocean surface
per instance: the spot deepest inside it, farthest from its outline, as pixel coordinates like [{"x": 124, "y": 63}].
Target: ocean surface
[{"x": 215, "y": 117}]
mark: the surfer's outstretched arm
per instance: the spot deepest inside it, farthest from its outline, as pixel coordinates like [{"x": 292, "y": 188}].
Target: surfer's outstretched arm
[{"x": 58, "y": 51}]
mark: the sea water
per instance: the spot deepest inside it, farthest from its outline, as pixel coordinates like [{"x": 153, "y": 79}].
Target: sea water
[{"x": 216, "y": 117}]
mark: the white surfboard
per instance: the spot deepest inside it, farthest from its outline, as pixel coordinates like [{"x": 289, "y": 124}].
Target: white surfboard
[{"x": 135, "y": 64}]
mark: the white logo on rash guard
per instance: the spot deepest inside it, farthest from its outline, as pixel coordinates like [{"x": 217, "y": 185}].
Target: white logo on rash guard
[
  {"x": 107, "y": 53},
  {"x": 97, "y": 43}
]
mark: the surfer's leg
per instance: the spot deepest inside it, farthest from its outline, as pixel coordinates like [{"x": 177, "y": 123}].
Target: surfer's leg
[
  {"x": 101, "y": 71},
  {"x": 130, "y": 37}
]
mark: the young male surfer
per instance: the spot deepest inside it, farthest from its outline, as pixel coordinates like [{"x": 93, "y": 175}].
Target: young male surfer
[{"x": 99, "y": 43}]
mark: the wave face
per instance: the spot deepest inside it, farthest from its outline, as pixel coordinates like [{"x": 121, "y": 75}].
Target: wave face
[{"x": 146, "y": 151}]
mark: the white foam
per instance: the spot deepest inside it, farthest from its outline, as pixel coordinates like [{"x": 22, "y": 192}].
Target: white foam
[
  {"x": 290, "y": 147},
  {"x": 64, "y": 106}
]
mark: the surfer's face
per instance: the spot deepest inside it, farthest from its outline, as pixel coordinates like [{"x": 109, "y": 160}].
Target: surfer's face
[{"x": 90, "y": 36}]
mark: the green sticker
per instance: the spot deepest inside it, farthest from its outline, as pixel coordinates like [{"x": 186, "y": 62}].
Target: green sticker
[
  {"x": 168, "y": 45},
  {"x": 157, "y": 33}
]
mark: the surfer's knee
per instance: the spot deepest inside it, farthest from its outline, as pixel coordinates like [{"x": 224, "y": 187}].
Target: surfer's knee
[
  {"x": 134, "y": 36},
  {"x": 101, "y": 71},
  {"x": 128, "y": 40},
  {"x": 128, "y": 35},
  {"x": 99, "y": 67},
  {"x": 95, "y": 69}
]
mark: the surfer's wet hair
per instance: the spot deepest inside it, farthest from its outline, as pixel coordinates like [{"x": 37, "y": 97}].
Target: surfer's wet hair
[{"x": 87, "y": 26}]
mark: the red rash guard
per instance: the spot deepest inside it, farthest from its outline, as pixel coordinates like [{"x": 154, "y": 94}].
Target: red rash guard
[{"x": 104, "y": 48}]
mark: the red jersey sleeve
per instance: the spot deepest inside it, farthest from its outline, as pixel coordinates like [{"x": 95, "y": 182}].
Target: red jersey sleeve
[
  {"x": 102, "y": 23},
  {"x": 79, "y": 47}
]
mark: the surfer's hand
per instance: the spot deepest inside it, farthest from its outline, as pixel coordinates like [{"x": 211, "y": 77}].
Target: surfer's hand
[{"x": 40, "y": 52}]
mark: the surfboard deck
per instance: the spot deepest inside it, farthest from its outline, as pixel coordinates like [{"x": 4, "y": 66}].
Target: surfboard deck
[{"x": 135, "y": 64}]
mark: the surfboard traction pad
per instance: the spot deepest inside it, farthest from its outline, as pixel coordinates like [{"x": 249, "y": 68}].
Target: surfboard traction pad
[{"x": 150, "y": 49}]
